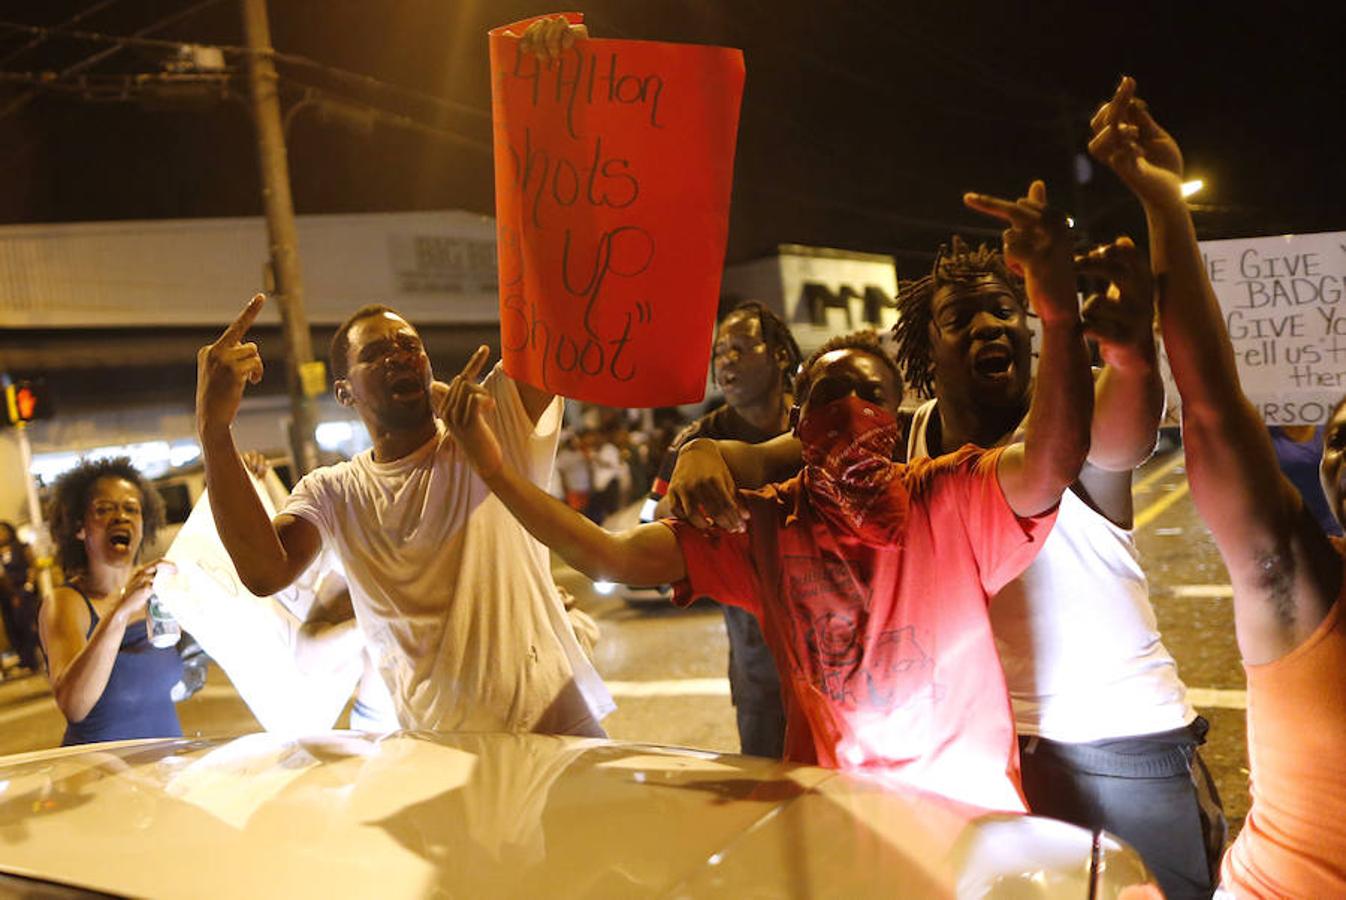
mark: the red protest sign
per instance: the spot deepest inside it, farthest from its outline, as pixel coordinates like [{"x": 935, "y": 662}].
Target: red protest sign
[{"x": 613, "y": 168}]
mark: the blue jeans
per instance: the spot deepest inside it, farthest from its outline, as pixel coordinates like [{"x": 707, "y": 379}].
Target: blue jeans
[{"x": 1152, "y": 791}]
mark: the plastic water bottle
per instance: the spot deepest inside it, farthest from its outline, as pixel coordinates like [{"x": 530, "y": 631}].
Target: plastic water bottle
[{"x": 162, "y": 628}]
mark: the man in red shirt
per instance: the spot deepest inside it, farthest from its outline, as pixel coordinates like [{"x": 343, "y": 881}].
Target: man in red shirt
[{"x": 870, "y": 578}]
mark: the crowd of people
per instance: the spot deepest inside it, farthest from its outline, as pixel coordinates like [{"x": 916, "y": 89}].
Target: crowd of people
[{"x": 947, "y": 597}]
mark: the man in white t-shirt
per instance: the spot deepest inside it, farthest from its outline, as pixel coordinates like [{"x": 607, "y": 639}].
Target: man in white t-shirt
[{"x": 454, "y": 599}]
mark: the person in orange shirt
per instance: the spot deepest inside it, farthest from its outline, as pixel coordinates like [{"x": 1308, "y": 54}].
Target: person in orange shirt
[{"x": 1288, "y": 577}]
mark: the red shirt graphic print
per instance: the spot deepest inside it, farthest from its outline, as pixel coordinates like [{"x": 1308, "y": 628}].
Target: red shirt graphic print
[{"x": 886, "y": 652}]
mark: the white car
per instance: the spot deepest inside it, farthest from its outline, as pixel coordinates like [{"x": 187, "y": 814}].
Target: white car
[{"x": 342, "y": 814}]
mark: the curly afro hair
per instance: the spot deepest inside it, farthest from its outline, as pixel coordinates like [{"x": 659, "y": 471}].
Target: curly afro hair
[{"x": 70, "y": 501}]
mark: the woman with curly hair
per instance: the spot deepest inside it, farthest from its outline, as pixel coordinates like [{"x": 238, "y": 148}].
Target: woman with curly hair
[{"x": 110, "y": 682}]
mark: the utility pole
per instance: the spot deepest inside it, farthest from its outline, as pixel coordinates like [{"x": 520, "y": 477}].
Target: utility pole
[{"x": 304, "y": 377}]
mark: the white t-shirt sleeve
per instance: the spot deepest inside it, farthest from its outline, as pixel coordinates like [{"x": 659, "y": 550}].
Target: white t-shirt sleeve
[
  {"x": 529, "y": 448},
  {"x": 308, "y": 502}
]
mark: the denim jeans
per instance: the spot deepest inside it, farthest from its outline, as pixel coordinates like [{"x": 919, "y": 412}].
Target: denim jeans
[{"x": 1152, "y": 791}]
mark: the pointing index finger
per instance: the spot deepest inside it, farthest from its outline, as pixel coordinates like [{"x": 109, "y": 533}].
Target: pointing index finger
[
  {"x": 475, "y": 363},
  {"x": 240, "y": 326},
  {"x": 1006, "y": 210}
]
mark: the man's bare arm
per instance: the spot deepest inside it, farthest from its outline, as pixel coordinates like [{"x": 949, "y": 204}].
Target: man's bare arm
[
  {"x": 1284, "y": 572},
  {"x": 644, "y": 555},
  {"x": 267, "y": 557},
  {"x": 1129, "y": 391},
  {"x": 704, "y": 488},
  {"x": 1034, "y": 473}
]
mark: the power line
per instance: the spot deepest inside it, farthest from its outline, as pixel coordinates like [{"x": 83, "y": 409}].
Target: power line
[
  {"x": 137, "y": 86},
  {"x": 24, "y": 99},
  {"x": 73, "y": 20},
  {"x": 172, "y": 19},
  {"x": 336, "y": 107},
  {"x": 294, "y": 59}
]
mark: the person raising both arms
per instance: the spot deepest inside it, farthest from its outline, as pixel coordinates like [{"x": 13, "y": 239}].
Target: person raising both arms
[
  {"x": 869, "y": 578},
  {"x": 1107, "y": 736},
  {"x": 1286, "y": 573},
  {"x": 110, "y": 683}
]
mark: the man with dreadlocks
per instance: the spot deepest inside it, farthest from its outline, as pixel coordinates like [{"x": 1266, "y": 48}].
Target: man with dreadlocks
[
  {"x": 1108, "y": 738},
  {"x": 754, "y": 362},
  {"x": 870, "y": 578}
]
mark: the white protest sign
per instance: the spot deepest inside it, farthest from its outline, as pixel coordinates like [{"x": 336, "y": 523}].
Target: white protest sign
[
  {"x": 1282, "y": 299},
  {"x": 252, "y": 638}
]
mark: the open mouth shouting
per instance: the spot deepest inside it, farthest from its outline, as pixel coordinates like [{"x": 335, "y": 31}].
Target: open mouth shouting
[
  {"x": 121, "y": 538},
  {"x": 994, "y": 362},
  {"x": 406, "y": 387}
]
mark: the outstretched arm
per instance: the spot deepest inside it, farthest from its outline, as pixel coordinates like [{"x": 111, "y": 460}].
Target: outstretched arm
[
  {"x": 1284, "y": 572},
  {"x": 267, "y": 557},
  {"x": 1034, "y": 473},
  {"x": 644, "y": 555}
]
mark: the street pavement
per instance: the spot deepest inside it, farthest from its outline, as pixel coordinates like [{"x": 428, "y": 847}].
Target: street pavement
[{"x": 666, "y": 667}]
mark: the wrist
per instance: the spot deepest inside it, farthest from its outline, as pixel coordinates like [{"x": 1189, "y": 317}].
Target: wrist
[
  {"x": 1132, "y": 359},
  {"x": 1165, "y": 201},
  {"x": 493, "y": 476},
  {"x": 214, "y": 435},
  {"x": 121, "y": 616}
]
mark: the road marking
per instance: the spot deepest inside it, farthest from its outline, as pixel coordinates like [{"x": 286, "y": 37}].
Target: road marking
[
  {"x": 678, "y": 687},
  {"x": 1144, "y": 483},
  {"x": 1203, "y": 591},
  {"x": 1217, "y": 698},
  {"x": 1158, "y": 507}
]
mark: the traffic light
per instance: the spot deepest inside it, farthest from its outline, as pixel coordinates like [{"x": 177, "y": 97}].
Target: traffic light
[{"x": 26, "y": 401}]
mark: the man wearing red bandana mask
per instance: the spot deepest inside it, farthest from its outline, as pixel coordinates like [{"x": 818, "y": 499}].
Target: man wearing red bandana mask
[{"x": 871, "y": 578}]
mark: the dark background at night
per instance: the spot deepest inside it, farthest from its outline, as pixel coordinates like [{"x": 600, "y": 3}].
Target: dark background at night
[{"x": 862, "y": 122}]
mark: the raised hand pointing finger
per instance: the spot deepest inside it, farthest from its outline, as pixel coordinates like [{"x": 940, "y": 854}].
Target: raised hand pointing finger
[
  {"x": 223, "y": 369},
  {"x": 475, "y": 363},
  {"x": 239, "y": 327}
]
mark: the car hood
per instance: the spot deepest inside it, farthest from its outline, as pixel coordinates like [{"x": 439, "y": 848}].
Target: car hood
[{"x": 413, "y": 815}]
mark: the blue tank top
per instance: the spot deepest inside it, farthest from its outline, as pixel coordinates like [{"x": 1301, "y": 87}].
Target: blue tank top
[
  {"x": 1300, "y": 464},
  {"x": 136, "y": 701}
]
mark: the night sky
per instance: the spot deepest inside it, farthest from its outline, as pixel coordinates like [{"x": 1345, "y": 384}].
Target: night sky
[{"x": 862, "y": 123}]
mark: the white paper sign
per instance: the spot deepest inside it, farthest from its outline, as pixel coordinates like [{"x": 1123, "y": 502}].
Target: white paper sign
[
  {"x": 1284, "y": 303},
  {"x": 252, "y": 638}
]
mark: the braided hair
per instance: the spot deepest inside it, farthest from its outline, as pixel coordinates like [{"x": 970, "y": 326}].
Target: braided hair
[
  {"x": 776, "y": 335},
  {"x": 954, "y": 267}
]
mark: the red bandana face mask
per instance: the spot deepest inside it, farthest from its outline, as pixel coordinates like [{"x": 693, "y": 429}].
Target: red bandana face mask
[{"x": 849, "y": 475}]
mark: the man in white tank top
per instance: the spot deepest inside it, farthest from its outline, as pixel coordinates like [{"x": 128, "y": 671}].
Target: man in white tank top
[
  {"x": 1108, "y": 739},
  {"x": 1107, "y": 736}
]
